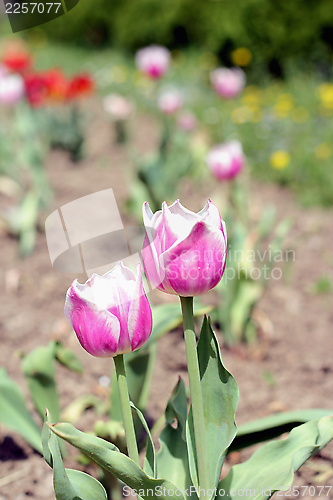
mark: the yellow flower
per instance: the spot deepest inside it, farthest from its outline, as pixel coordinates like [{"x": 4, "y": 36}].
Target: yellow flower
[
  {"x": 280, "y": 159},
  {"x": 323, "y": 151},
  {"x": 241, "y": 56},
  {"x": 325, "y": 92}
]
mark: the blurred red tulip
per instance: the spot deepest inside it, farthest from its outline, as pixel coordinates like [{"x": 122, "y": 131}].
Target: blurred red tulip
[
  {"x": 18, "y": 61},
  {"x": 57, "y": 85},
  {"x": 36, "y": 89},
  {"x": 80, "y": 85}
]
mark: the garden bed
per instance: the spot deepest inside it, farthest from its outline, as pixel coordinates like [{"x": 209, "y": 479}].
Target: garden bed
[{"x": 290, "y": 368}]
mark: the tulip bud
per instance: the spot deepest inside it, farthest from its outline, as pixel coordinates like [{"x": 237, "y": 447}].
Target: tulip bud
[
  {"x": 184, "y": 253},
  {"x": 228, "y": 83},
  {"x": 169, "y": 102},
  {"x": 110, "y": 314},
  {"x": 226, "y": 160},
  {"x": 153, "y": 61},
  {"x": 11, "y": 89}
]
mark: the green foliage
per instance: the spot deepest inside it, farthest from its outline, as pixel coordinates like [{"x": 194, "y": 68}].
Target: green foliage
[
  {"x": 272, "y": 467},
  {"x": 272, "y": 426},
  {"x": 220, "y": 400},
  {"x": 271, "y": 30},
  {"x": 108, "y": 456},
  {"x": 39, "y": 370},
  {"x": 172, "y": 458},
  {"x": 248, "y": 271},
  {"x": 69, "y": 484},
  {"x": 14, "y": 413}
]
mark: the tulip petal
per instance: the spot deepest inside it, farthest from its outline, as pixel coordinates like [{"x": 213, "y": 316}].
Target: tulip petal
[
  {"x": 140, "y": 320},
  {"x": 210, "y": 214},
  {"x": 97, "y": 331},
  {"x": 196, "y": 264}
]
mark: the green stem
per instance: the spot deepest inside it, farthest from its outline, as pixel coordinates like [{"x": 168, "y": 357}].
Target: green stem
[
  {"x": 126, "y": 411},
  {"x": 195, "y": 391}
]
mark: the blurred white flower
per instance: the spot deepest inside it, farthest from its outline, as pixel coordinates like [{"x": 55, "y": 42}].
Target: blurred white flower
[
  {"x": 170, "y": 101},
  {"x": 118, "y": 107},
  {"x": 11, "y": 89}
]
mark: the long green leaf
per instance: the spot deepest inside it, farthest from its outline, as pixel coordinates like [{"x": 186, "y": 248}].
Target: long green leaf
[
  {"x": 108, "y": 456},
  {"x": 273, "y": 426},
  {"x": 172, "y": 458},
  {"x": 272, "y": 467},
  {"x": 220, "y": 399},
  {"x": 14, "y": 413},
  {"x": 67, "y": 358},
  {"x": 150, "y": 458},
  {"x": 68, "y": 484},
  {"x": 39, "y": 370}
]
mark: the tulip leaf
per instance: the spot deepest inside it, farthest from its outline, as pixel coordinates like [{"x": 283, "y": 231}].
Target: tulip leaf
[
  {"x": 68, "y": 484},
  {"x": 249, "y": 292},
  {"x": 39, "y": 370},
  {"x": 272, "y": 467},
  {"x": 220, "y": 399},
  {"x": 150, "y": 458},
  {"x": 67, "y": 358},
  {"x": 14, "y": 413},
  {"x": 272, "y": 426},
  {"x": 109, "y": 458},
  {"x": 172, "y": 457}
]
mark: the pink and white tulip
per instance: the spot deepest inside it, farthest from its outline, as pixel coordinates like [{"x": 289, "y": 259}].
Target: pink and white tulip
[
  {"x": 110, "y": 314},
  {"x": 11, "y": 89},
  {"x": 118, "y": 107},
  {"x": 153, "y": 61},
  {"x": 226, "y": 160},
  {"x": 170, "y": 101},
  {"x": 184, "y": 252},
  {"x": 228, "y": 82}
]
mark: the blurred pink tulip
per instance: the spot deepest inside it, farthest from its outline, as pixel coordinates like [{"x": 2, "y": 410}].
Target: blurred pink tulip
[
  {"x": 184, "y": 252},
  {"x": 110, "y": 314},
  {"x": 170, "y": 101},
  {"x": 11, "y": 89},
  {"x": 226, "y": 160},
  {"x": 153, "y": 61},
  {"x": 228, "y": 83},
  {"x": 118, "y": 107},
  {"x": 187, "y": 121}
]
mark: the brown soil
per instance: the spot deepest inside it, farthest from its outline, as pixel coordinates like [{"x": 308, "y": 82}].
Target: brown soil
[{"x": 297, "y": 353}]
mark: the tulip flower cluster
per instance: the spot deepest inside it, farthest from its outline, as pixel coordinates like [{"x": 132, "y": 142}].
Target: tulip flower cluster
[
  {"x": 184, "y": 254},
  {"x": 53, "y": 87},
  {"x": 18, "y": 79}
]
